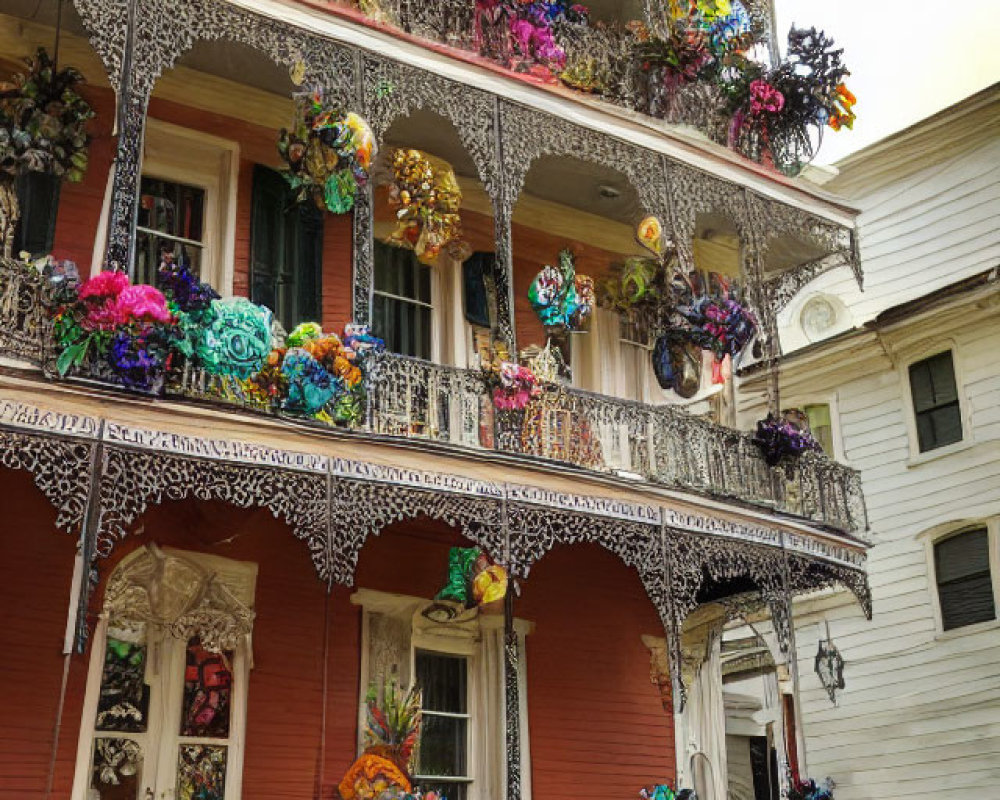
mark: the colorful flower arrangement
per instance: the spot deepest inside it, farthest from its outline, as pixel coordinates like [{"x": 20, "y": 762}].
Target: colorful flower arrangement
[
  {"x": 381, "y": 772},
  {"x": 43, "y": 121},
  {"x": 681, "y": 309},
  {"x": 426, "y": 197},
  {"x": 562, "y": 299},
  {"x": 810, "y": 790},
  {"x": 663, "y": 791},
  {"x": 769, "y": 114},
  {"x": 143, "y": 338},
  {"x": 328, "y": 153},
  {"x": 516, "y": 386},
  {"x": 779, "y": 440},
  {"x": 774, "y": 110}
]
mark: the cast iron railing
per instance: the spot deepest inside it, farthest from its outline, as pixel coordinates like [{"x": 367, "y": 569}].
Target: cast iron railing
[{"x": 414, "y": 399}]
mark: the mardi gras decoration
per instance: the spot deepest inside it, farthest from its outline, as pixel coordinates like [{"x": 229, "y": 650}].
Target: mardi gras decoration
[
  {"x": 516, "y": 386},
  {"x": 562, "y": 299},
  {"x": 474, "y": 579},
  {"x": 779, "y": 440},
  {"x": 775, "y": 110},
  {"x": 391, "y": 733},
  {"x": 119, "y": 330},
  {"x": 662, "y": 791},
  {"x": 43, "y": 128},
  {"x": 810, "y": 790},
  {"x": 327, "y": 153},
  {"x": 427, "y": 198},
  {"x": 684, "y": 311}
]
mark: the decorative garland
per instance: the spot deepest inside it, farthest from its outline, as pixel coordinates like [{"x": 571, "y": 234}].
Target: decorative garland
[
  {"x": 426, "y": 197},
  {"x": 810, "y": 790},
  {"x": 328, "y": 153},
  {"x": 144, "y": 339}
]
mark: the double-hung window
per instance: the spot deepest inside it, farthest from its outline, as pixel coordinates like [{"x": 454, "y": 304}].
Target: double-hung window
[
  {"x": 635, "y": 346},
  {"x": 171, "y": 220},
  {"x": 936, "y": 405},
  {"x": 964, "y": 581},
  {"x": 821, "y": 425},
  {"x": 402, "y": 311},
  {"x": 443, "y": 754}
]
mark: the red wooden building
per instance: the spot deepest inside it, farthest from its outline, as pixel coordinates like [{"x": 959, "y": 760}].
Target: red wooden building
[{"x": 198, "y": 592}]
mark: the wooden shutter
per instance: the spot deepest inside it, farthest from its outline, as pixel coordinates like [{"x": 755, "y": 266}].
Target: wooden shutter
[
  {"x": 286, "y": 251},
  {"x": 964, "y": 582},
  {"x": 38, "y": 194},
  {"x": 935, "y": 401}
]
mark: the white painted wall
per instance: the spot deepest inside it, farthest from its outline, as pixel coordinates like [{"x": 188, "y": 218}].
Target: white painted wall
[{"x": 920, "y": 717}]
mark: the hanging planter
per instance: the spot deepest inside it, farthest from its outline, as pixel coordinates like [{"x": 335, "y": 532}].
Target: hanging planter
[
  {"x": 42, "y": 130},
  {"x": 779, "y": 441},
  {"x": 327, "y": 154}
]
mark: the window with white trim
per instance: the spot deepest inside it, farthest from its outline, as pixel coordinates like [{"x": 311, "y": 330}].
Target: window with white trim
[
  {"x": 821, "y": 425},
  {"x": 936, "y": 408},
  {"x": 165, "y": 708},
  {"x": 171, "y": 222},
  {"x": 443, "y": 754},
  {"x": 402, "y": 308},
  {"x": 635, "y": 348},
  {"x": 457, "y": 659},
  {"x": 964, "y": 579}
]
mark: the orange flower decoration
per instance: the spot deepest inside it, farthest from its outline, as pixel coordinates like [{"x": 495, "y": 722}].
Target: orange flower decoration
[
  {"x": 843, "y": 104},
  {"x": 370, "y": 776}
]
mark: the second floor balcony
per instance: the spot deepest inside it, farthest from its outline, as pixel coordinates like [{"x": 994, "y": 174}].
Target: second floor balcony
[{"x": 192, "y": 169}]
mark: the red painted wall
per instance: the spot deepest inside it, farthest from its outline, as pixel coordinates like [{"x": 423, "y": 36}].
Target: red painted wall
[{"x": 597, "y": 727}]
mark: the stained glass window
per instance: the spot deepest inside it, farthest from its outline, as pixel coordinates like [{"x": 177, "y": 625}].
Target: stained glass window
[
  {"x": 117, "y": 769},
  {"x": 208, "y": 682},
  {"x": 124, "y": 699},
  {"x": 201, "y": 772}
]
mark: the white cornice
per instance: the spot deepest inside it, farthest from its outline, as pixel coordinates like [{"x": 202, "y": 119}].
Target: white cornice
[{"x": 643, "y": 131}]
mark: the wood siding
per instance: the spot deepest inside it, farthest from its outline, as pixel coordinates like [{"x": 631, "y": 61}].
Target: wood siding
[{"x": 920, "y": 717}]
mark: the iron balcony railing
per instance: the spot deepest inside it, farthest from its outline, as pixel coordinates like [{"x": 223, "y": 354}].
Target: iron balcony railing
[{"x": 409, "y": 398}]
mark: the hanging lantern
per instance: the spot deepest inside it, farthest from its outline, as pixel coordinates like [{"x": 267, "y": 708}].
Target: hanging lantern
[{"x": 830, "y": 668}]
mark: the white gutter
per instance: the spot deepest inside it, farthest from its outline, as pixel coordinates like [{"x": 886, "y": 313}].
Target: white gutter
[{"x": 630, "y": 126}]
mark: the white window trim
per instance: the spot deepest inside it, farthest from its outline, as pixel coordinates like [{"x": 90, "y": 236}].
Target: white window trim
[
  {"x": 221, "y": 186},
  {"x": 941, "y": 532},
  {"x": 165, "y": 655},
  {"x": 404, "y": 607},
  {"x": 928, "y": 351}
]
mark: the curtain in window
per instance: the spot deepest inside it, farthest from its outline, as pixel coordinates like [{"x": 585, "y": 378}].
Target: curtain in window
[{"x": 706, "y": 723}]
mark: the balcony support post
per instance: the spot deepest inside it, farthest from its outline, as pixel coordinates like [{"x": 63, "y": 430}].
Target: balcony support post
[
  {"x": 503, "y": 264},
  {"x": 362, "y": 225},
  {"x": 133, "y": 90},
  {"x": 511, "y": 658}
]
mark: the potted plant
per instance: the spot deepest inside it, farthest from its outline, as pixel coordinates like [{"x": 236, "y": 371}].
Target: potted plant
[{"x": 43, "y": 141}]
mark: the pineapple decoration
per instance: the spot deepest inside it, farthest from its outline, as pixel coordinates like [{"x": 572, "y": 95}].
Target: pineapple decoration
[{"x": 382, "y": 770}]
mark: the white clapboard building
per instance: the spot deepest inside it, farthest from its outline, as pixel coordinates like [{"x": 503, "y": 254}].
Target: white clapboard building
[{"x": 902, "y": 381}]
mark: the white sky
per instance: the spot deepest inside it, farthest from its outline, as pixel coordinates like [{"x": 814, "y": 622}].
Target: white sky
[{"x": 908, "y": 58}]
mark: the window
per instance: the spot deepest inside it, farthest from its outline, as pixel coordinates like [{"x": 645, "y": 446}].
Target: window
[
  {"x": 402, "y": 312},
  {"x": 964, "y": 582},
  {"x": 286, "y": 251},
  {"x": 442, "y": 757},
  {"x": 935, "y": 402},
  {"x": 38, "y": 194},
  {"x": 164, "y": 712},
  {"x": 636, "y": 346},
  {"x": 821, "y": 425},
  {"x": 171, "y": 219}
]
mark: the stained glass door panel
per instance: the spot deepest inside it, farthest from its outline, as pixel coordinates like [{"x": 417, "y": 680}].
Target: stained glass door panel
[
  {"x": 201, "y": 772},
  {"x": 208, "y": 682},
  {"x": 116, "y": 769}
]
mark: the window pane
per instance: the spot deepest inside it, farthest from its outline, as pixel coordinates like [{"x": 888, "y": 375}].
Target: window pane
[
  {"x": 962, "y": 555},
  {"x": 442, "y": 745},
  {"x": 117, "y": 770},
  {"x": 124, "y": 698},
  {"x": 966, "y": 601},
  {"x": 932, "y": 382},
  {"x": 442, "y": 682},
  {"x": 208, "y": 681},
  {"x": 946, "y": 423},
  {"x": 201, "y": 772},
  {"x": 818, "y": 416},
  {"x": 965, "y": 587},
  {"x": 172, "y": 208}
]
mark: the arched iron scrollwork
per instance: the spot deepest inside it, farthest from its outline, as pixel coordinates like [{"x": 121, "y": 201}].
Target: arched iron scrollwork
[
  {"x": 132, "y": 480},
  {"x": 359, "y": 509},
  {"x": 529, "y": 134},
  {"x": 59, "y": 467}
]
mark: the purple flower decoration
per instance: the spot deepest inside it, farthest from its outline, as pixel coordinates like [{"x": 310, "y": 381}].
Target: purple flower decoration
[
  {"x": 132, "y": 359},
  {"x": 185, "y": 289},
  {"x": 779, "y": 440}
]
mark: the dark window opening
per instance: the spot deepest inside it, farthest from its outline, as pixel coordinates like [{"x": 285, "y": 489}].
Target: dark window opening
[
  {"x": 964, "y": 582},
  {"x": 401, "y": 308},
  {"x": 935, "y": 402}
]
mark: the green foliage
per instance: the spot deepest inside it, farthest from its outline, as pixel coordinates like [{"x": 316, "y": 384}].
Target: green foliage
[{"x": 43, "y": 121}]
